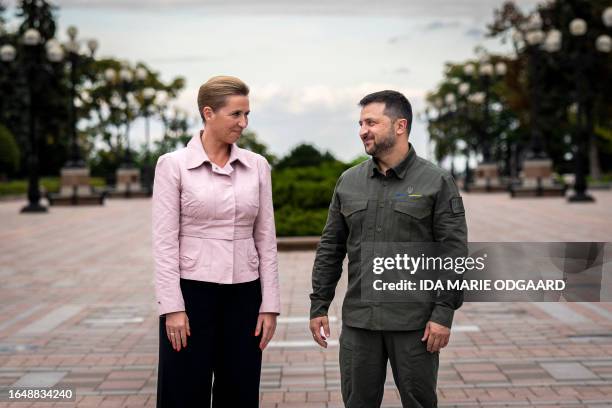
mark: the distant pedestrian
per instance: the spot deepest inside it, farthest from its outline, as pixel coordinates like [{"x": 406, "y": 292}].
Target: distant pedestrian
[{"x": 214, "y": 247}]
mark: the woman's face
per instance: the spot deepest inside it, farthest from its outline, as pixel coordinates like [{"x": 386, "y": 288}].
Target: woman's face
[{"x": 228, "y": 122}]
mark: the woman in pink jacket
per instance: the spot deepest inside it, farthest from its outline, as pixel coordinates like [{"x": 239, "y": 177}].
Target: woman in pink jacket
[{"x": 214, "y": 247}]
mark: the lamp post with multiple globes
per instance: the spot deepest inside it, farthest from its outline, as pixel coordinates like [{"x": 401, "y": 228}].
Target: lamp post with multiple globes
[{"x": 33, "y": 62}]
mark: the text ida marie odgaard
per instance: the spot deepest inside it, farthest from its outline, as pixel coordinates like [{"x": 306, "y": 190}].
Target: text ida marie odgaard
[{"x": 459, "y": 265}]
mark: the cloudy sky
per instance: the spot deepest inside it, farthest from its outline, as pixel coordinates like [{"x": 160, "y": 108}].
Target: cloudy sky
[{"x": 307, "y": 62}]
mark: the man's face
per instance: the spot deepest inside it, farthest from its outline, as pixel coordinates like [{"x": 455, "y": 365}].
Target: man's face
[
  {"x": 229, "y": 121},
  {"x": 376, "y": 130}
]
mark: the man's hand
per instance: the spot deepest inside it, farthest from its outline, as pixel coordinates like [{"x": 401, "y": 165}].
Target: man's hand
[
  {"x": 266, "y": 324},
  {"x": 177, "y": 329},
  {"x": 315, "y": 328},
  {"x": 436, "y": 335}
]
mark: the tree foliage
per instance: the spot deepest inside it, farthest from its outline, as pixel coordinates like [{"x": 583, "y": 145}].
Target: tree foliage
[
  {"x": 104, "y": 109},
  {"x": 535, "y": 95},
  {"x": 305, "y": 155},
  {"x": 249, "y": 141},
  {"x": 109, "y": 107}
]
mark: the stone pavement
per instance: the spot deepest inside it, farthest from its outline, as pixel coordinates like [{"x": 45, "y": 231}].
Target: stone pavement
[{"x": 77, "y": 309}]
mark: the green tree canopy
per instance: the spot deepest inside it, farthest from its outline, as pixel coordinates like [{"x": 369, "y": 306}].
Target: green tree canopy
[
  {"x": 305, "y": 155},
  {"x": 249, "y": 141}
]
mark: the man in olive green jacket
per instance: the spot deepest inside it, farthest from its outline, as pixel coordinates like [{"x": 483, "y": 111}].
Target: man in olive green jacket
[{"x": 394, "y": 197}]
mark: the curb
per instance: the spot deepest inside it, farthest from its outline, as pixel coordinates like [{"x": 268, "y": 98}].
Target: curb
[{"x": 286, "y": 244}]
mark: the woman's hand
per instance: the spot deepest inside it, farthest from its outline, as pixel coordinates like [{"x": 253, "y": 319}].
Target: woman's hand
[
  {"x": 177, "y": 329},
  {"x": 266, "y": 324}
]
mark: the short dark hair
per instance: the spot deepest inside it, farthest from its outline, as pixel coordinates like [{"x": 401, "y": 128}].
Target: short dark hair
[{"x": 396, "y": 105}]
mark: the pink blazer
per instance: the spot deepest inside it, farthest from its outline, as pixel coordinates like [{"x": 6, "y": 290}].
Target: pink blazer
[{"x": 213, "y": 224}]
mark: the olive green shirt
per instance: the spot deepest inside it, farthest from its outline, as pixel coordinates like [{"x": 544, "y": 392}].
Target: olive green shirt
[{"x": 415, "y": 201}]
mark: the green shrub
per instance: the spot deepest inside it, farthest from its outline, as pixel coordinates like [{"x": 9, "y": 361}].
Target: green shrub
[
  {"x": 291, "y": 221},
  {"x": 301, "y": 197},
  {"x": 13, "y": 187}
]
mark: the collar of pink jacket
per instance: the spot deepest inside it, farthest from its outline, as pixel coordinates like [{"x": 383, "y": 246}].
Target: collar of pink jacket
[{"x": 196, "y": 155}]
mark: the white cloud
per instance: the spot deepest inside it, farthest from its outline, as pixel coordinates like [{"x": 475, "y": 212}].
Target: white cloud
[
  {"x": 324, "y": 115},
  {"x": 320, "y": 97}
]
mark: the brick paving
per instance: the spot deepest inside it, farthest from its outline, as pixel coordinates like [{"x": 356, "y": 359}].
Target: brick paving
[{"x": 77, "y": 309}]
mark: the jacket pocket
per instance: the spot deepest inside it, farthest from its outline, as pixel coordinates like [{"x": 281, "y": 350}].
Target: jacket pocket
[
  {"x": 354, "y": 212},
  {"x": 412, "y": 221},
  {"x": 351, "y": 207},
  {"x": 189, "y": 252},
  {"x": 418, "y": 211}
]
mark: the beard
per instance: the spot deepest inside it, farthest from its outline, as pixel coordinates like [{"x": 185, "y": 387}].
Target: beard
[{"x": 383, "y": 146}]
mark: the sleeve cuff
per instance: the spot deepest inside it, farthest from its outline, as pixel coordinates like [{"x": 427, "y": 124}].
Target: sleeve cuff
[
  {"x": 165, "y": 307},
  {"x": 270, "y": 305},
  {"x": 442, "y": 315},
  {"x": 318, "y": 311}
]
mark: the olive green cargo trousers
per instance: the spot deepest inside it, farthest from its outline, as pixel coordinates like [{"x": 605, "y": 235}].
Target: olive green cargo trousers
[{"x": 363, "y": 367}]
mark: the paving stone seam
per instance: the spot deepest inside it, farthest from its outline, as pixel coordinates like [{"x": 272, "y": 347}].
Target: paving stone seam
[
  {"x": 558, "y": 384},
  {"x": 456, "y": 360}
]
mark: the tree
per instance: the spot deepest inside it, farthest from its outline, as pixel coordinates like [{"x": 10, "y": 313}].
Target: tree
[
  {"x": 456, "y": 119},
  {"x": 46, "y": 82},
  {"x": 38, "y": 14},
  {"x": 2, "y": 19},
  {"x": 249, "y": 141},
  {"x": 176, "y": 134},
  {"x": 302, "y": 186},
  {"x": 549, "y": 77},
  {"x": 104, "y": 109},
  {"x": 305, "y": 155},
  {"x": 110, "y": 106}
]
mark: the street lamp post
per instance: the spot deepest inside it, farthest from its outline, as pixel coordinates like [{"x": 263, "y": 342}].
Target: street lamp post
[
  {"x": 463, "y": 90},
  {"x": 33, "y": 43},
  {"x": 449, "y": 100},
  {"x": 128, "y": 177},
  {"x": 75, "y": 185},
  {"x": 74, "y": 60},
  {"x": 148, "y": 95},
  {"x": 536, "y": 166},
  {"x": 486, "y": 71},
  {"x": 7, "y": 56},
  {"x": 32, "y": 50},
  {"x": 126, "y": 77},
  {"x": 534, "y": 39},
  {"x": 73, "y": 57},
  {"x": 582, "y": 62},
  {"x": 584, "y": 117}
]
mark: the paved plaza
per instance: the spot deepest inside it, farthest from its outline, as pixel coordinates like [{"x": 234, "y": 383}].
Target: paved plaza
[{"x": 77, "y": 309}]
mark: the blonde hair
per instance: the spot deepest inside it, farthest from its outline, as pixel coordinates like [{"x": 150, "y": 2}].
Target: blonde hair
[{"x": 214, "y": 92}]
